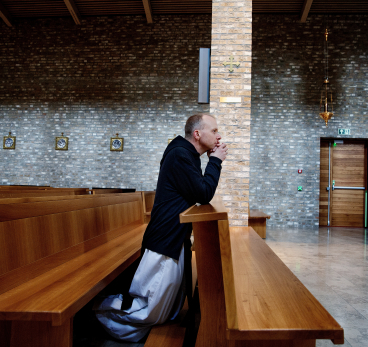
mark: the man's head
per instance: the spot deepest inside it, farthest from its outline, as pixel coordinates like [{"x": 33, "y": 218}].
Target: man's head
[{"x": 201, "y": 130}]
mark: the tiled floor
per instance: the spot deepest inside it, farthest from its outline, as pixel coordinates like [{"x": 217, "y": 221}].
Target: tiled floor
[{"x": 332, "y": 264}]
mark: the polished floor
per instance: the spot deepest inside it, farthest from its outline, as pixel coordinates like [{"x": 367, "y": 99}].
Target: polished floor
[{"x": 330, "y": 262}]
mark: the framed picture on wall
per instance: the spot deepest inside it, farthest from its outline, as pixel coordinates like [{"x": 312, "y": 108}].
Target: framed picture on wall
[
  {"x": 61, "y": 142},
  {"x": 116, "y": 143},
  {"x": 9, "y": 142}
]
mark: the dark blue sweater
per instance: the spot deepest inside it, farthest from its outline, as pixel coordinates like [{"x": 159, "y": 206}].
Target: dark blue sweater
[{"x": 180, "y": 185}]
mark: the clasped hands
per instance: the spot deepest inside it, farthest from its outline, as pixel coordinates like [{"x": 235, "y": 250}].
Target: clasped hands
[{"x": 220, "y": 151}]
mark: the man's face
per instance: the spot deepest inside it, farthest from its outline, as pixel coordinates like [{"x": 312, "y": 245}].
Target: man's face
[{"x": 209, "y": 136}]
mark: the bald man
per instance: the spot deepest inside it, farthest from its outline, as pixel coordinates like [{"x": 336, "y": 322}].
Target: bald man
[{"x": 157, "y": 287}]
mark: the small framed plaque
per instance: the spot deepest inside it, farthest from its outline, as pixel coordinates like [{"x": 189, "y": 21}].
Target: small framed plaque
[
  {"x": 61, "y": 142},
  {"x": 116, "y": 143},
  {"x": 9, "y": 142}
]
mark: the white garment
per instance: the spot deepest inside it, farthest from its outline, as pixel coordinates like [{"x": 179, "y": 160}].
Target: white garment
[{"x": 158, "y": 292}]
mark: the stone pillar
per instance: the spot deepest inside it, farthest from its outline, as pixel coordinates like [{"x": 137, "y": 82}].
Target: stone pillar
[{"x": 232, "y": 37}]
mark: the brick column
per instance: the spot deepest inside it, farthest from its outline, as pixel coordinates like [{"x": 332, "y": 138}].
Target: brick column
[{"x": 232, "y": 36}]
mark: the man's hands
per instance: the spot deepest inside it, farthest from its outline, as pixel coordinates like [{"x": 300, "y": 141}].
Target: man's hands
[{"x": 220, "y": 151}]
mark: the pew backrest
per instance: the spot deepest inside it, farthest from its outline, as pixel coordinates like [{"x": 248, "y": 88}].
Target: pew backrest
[
  {"x": 38, "y": 236},
  {"x": 25, "y": 199},
  {"x": 148, "y": 198},
  {"x": 44, "y": 191},
  {"x": 23, "y": 187}
]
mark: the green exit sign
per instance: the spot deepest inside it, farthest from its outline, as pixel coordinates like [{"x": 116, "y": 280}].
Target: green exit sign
[{"x": 344, "y": 131}]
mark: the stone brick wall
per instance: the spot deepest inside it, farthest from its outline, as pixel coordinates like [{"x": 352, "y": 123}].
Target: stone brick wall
[
  {"x": 120, "y": 75},
  {"x": 109, "y": 75},
  {"x": 287, "y": 72},
  {"x": 232, "y": 37}
]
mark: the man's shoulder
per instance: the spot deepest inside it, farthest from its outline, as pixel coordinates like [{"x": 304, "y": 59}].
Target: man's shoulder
[
  {"x": 181, "y": 152},
  {"x": 180, "y": 157}
]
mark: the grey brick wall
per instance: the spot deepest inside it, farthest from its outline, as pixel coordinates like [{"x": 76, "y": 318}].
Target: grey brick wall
[
  {"x": 110, "y": 75},
  {"x": 119, "y": 74},
  {"x": 287, "y": 72}
]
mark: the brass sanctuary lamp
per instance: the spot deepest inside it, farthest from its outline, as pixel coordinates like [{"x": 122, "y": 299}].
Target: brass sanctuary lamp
[{"x": 325, "y": 90}]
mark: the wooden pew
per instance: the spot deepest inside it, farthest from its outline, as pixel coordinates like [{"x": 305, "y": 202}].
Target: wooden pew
[
  {"x": 25, "y": 199},
  {"x": 111, "y": 190},
  {"x": 148, "y": 200},
  {"x": 44, "y": 188},
  {"x": 56, "y": 256},
  {"x": 257, "y": 220},
  {"x": 14, "y": 193},
  {"x": 32, "y": 193},
  {"x": 248, "y": 297},
  {"x": 21, "y": 187}
]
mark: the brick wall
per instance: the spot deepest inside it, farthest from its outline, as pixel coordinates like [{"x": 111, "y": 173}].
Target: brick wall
[
  {"x": 287, "y": 72},
  {"x": 119, "y": 74},
  {"x": 232, "y": 36},
  {"x": 109, "y": 75}
]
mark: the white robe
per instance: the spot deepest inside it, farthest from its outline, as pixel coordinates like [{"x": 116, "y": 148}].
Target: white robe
[{"x": 158, "y": 292}]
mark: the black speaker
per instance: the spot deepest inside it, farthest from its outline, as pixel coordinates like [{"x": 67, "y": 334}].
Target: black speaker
[{"x": 204, "y": 75}]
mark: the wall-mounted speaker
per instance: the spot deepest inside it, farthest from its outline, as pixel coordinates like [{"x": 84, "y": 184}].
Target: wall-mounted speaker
[{"x": 204, "y": 75}]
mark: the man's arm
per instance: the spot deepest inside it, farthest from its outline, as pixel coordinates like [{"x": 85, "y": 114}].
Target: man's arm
[{"x": 190, "y": 182}]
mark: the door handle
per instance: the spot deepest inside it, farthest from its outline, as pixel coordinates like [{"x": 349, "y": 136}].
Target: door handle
[{"x": 354, "y": 188}]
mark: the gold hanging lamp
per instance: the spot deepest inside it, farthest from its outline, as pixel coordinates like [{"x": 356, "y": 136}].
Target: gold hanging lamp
[{"x": 326, "y": 89}]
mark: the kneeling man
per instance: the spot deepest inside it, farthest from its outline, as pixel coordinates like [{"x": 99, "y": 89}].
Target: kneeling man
[{"x": 157, "y": 286}]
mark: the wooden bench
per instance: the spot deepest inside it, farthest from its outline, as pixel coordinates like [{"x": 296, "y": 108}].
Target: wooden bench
[
  {"x": 25, "y": 199},
  {"x": 14, "y": 193},
  {"x": 111, "y": 190},
  {"x": 45, "y": 188},
  {"x": 47, "y": 197},
  {"x": 56, "y": 256},
  {"x": 257, "y": 220},
  {"x": 148, "y": 200},
  {"x": 248, "y": 297},
  {"x": 22, "y": 187}
]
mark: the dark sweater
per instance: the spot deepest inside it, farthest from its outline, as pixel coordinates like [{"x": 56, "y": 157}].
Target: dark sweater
[{"x": 180, "y": 185}]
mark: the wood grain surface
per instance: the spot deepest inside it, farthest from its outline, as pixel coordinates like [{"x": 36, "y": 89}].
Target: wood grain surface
[
  {"x": 148, "y": 200},
  {"x": 39, "y": 249},
  {"x": 248, "y": 296},
  {"x": 215, "y": 210},
  {"x": 271, "y": 303},
  {"x": 348, "y": 169},
  {"x": 57, "y": 255}
]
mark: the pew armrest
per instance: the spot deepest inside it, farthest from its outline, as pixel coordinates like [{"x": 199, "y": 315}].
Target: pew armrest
[{"x": 215, "y": 210}]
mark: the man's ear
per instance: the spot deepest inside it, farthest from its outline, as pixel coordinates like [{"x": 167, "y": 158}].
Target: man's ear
[{"x": 196, "y": 134}]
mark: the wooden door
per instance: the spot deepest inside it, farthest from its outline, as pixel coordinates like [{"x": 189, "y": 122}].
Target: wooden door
[
  {"x": 347, "y": 182},
  {"x": 323, "y": 184}
]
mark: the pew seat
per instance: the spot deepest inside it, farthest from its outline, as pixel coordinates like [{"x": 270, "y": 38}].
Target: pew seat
[
  {"x": 248, "y": 296},
  {"x": 57, "y": 256}
]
